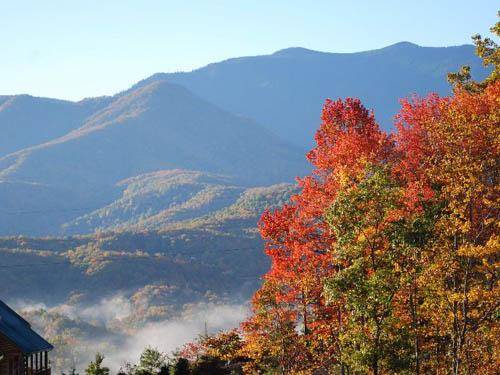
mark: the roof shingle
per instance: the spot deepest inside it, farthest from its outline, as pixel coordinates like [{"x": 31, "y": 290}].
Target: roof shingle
[{"x": 19, "y": 331}]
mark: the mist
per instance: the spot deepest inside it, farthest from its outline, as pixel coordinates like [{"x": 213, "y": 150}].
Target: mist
[
  {"x": 170, "y": 335},
  {"x": 116, "y": 307},
  {"x": 117, "y": 339}
]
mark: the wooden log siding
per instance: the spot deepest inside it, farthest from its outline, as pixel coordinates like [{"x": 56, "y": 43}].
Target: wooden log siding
[
  {"x": 15, "y": 363},
  {"x": 25, "y": 352},
  {"x": 10, "y": 351}
]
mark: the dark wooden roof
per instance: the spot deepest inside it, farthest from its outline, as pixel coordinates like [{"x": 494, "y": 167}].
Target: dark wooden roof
[{"x": 19, "y": 331}]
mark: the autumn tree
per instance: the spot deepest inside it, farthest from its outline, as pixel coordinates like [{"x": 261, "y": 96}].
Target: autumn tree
[
  {"x": 292, "y": 317},
  {"x": 386, "y": 261},
  {"x": 454, "y": 151},
  {"x": 218, "y": 353},
  {"x": 271, "y": 339},
  {"x": 364, "y": 218}
]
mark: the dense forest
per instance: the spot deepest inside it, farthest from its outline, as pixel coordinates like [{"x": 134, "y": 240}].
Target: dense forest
[{"x": 386, "y": 260}]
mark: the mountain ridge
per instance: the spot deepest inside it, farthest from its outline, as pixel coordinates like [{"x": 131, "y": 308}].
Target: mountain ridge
[
  {"x": 157, "y": 127},
  {"x": 284, "y": 90},
  {"x": 27, "y": 120}
]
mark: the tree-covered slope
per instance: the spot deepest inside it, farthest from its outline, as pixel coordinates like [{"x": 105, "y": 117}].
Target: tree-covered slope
[
  {"x": 179, "y": 199},
  {"x": 206, "y": 246}
]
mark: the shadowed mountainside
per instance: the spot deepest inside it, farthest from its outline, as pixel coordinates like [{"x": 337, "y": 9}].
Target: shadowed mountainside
[{"x": 160, "y": 126}]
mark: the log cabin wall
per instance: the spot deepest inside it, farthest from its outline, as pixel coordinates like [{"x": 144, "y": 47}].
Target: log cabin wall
[
  {"x": 12, "y": 355},
  {"x": 25, "y": 351}
]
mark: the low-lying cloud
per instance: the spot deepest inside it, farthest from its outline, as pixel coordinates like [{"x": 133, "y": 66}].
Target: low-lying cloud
[
  {"x": 167, "y": 336},
  {"x": 103, "y": 312},
  {"x": 120, "y": 347}
]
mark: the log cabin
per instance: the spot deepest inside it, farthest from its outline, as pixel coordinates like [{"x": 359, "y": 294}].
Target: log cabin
[{"x": 22, "y": 350}]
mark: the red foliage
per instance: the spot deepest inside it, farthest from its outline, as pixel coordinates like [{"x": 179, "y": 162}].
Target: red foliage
[
  {"x": 442, "y": 164},
  {"x": 297, "y": 237}
]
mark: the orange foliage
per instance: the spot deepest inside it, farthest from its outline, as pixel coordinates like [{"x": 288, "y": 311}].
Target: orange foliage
[{"x": 438, "y": 227}]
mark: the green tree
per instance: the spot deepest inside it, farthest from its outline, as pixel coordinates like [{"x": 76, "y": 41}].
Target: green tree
[
  {"x": 151, "y": 361},
  {"x": 96, "y": 368},
  {"x": 368, "y": 279}
]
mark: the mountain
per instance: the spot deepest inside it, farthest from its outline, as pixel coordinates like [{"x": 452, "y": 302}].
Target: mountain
[
  {"x": 27, "y": 121},
  {"x": 152, "y": 128},
  {"x": 103, "y": 163},
  {"x": 285, "y": 91},
  {"x": 163, "y": 200}
]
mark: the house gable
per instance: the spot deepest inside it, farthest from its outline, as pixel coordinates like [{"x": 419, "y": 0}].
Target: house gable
[{"x": 18, "y": 331}]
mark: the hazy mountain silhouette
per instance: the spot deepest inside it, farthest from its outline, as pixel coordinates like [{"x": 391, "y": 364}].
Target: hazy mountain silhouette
[
  {"x": 156, "y": 127},
  {"x": 286, "y": 90},
  {"x": 159, "y": 126},
  {"x": 27, "y": 121}
]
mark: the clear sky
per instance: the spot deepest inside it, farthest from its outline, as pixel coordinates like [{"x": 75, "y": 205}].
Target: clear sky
[{"x": 74, "y": 49}]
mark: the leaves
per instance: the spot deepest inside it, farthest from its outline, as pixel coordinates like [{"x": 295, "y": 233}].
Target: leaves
[{"x": 386, "y": 261}]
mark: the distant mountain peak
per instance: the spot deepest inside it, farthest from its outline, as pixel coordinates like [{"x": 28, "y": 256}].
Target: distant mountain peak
[
  {"x": 295, "y": 51},
  {"x": 403, "y": 44},
  {"x": 301, "y": 51},
  {"x": 157, "y": 87}
]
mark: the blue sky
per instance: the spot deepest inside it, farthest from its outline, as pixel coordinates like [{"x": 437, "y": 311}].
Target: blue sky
[{"x": 75, "y": 49}]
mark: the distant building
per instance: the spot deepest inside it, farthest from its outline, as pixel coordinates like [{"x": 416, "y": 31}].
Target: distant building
[{"x": 22, "y": 350}]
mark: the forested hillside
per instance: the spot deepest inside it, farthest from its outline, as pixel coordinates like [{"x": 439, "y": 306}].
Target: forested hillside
[
  {"x": 154, "y": 128},
  {"x": 209, "y": 251}
]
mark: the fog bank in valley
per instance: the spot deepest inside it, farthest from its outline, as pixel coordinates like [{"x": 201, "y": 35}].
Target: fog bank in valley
[{"x": 106, "y": 327}]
